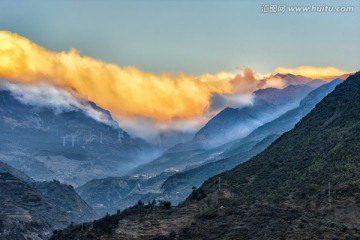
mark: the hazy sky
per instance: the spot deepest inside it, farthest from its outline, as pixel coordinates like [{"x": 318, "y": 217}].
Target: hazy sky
[{"x": 192, "y": 36}]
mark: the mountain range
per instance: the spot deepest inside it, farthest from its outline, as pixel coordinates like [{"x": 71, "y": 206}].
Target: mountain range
[
  {"x": 303, "y": 186},
  {"x": 175, "y": 186},
  {"x": 41, "y": 144}
]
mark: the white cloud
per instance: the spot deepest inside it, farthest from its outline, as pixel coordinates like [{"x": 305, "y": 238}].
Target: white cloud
[{"x": 59, "y": 100}]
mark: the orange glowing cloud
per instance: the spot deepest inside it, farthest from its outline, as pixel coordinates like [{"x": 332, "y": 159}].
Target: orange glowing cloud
[
  {"x": 128, "y": 92},
  {"x": 125, "y": 91},
  {"x": 324, "y": 73}
]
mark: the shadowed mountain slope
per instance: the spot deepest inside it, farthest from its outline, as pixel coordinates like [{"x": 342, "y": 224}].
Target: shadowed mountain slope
[{"x": 25, "y": 213}]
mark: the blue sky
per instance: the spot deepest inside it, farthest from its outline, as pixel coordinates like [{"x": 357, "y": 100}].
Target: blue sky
[{"x": 191, "y": 36}]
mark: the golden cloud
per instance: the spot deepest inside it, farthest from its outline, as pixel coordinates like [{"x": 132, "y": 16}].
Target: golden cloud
[
  {"x": 125, "y": 91},
  {"x": 324, "y": 73}
]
